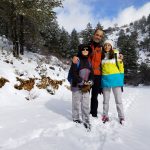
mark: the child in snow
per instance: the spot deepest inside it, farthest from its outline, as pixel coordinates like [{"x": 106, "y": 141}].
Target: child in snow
[
  {"x": 112, "y": 78},
  {"x": 82, "y": 80}
]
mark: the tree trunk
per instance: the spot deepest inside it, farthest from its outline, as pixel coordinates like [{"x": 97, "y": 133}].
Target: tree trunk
[
  {"x": 21, "y": 35},
  {"x": 15, "y": 39},
  {"x": 14, "y": 31}
]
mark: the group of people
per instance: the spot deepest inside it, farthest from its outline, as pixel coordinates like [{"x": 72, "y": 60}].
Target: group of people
[{"x": 96, "y": 68}]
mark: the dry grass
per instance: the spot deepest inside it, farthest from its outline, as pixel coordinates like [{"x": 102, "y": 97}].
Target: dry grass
[{"x": 3, "y": 81}]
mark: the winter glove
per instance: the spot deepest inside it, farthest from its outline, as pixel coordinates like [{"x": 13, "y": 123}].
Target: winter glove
[
  {"x": 88, "y": 83},
  {"x": 85, "y": 88}
]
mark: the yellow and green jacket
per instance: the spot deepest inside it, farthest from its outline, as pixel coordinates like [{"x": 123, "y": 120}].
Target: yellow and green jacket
[{"x": 112, "y": 76}]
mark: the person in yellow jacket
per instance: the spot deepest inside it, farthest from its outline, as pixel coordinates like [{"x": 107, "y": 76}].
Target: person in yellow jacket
[{"x": 112, "y": 78}]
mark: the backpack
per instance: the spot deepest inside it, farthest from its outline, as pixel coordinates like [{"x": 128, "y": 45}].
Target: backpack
[
  {"x": 70, "y": 75},
  {"x": 118, "y": 67}
]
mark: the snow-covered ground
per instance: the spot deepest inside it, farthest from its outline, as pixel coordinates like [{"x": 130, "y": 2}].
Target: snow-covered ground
[{"x": 44, "y": 123}]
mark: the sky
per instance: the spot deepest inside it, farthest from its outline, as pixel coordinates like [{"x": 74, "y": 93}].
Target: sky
[{"x": 78, "y": 13}]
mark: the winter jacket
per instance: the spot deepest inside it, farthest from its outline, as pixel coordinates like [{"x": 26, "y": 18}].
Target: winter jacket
[
  {"x": 95, "y": 57},
  {"x": 81, "y": 73},
  {"x": 112, "y": 71}
]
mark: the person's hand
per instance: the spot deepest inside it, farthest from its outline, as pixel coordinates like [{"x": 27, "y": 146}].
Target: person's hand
[
  {"x": 75, "y": 59},
  {"x": 88, "y": 83},
  {"x": 121, "y": 56}
]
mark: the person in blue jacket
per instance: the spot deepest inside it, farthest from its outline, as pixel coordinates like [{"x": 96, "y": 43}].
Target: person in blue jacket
[{"x": 112, "y": 78}]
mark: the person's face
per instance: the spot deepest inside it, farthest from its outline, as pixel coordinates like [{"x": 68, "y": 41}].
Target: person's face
[
  {"x": 85, "y": 52},
  {"x": 98, "y": 36},
  {"x": 107, "y": 47}
]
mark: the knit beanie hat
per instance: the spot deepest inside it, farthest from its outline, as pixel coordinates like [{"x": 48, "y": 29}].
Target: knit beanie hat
[
  {"x": 110, "y": 42},
  {"x": 81, "y": 47}
]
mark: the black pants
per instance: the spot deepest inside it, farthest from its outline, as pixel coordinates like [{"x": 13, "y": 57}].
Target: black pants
[{"x": 94, "y": 98}]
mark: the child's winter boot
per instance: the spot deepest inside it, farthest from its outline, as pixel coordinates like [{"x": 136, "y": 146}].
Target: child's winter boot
[
  {"x": 87, "y": 126},
  {"x": 105, "y": 119},
  {"x": 77, "y": 121},
  {"x": 121, "y": 121}
]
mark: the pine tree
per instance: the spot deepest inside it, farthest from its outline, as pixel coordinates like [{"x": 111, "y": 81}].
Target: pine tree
[
  {"x": 144, "y": 73},
  {"x": 51, "y": 35},
  {"x": 35, "y": 11},
  {"x": 132, "y": 61},
  {"x": 148, "y": 20},
  {"x": 145, "y": 44},
  {"x": 121, "y": 39},
  {"x": 3, "y": 27},
  {"x": 74, "y": 43},
  {"x": 64, "y": 43},
  {"x": 87, "y": 33},
  {"x": 148, "y": 26},
  {"x": 99, "y": 26},
  {"x": 128, "y": 45},
  {"x": 142, "y": 24},
  {"x": 136, "y": 25}
]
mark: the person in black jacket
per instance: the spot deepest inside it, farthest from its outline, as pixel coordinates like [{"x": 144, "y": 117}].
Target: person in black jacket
[{"x": 82, "y": 80}]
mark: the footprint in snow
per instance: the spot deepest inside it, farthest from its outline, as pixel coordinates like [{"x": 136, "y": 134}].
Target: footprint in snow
[
  {"x": 36, "y": 133},
  {"x": 58, "y": 129}
]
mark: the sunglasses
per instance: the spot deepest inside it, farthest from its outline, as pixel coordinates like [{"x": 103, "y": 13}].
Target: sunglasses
[{"x": 85, "y": 49}]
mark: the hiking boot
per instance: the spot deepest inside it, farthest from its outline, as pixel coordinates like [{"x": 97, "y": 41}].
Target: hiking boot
[
  {"x": 77, "y": 121},
  {"x": 105, "y": 119},
  {"x": 121, "y": 121},
  {"x": 94, "y": 115}
]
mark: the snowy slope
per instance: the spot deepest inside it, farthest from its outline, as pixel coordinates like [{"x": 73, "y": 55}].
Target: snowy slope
[
  {"x": 143, "y": 55},
  {"x": 44, "y": 123}
]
